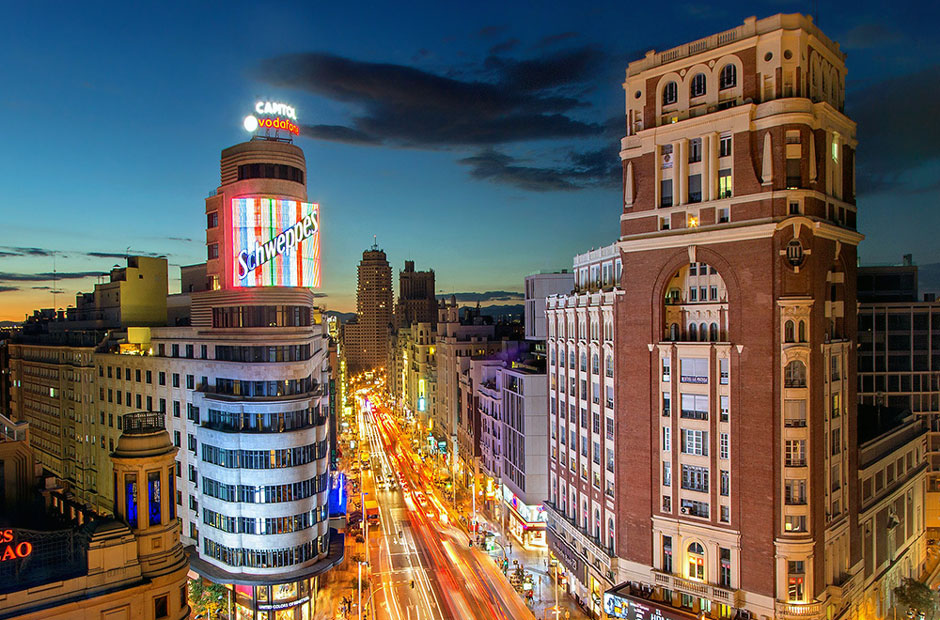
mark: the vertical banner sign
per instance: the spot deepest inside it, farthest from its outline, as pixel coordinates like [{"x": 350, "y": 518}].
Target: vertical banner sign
[{"x": 276, "y": 242}]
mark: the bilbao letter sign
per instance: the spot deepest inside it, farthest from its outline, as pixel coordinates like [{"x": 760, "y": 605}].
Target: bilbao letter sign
[{"x": 11, "y": 550}]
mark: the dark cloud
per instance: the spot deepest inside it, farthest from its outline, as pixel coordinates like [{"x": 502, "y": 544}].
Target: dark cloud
[
  {"x": 47, "y": 288},
  {"x": 123, "y": 254},
  {"x": 9, "y": 250},
  {"x": 8, "y": 289},
  {"x": 869, "y": 35},
  {"x": 555, "y": 39},
  {"x": 486, "y": 296},
  {"x": 491, "y": 32},
  {"x": 186, "y": 239},
  {"x": 890, "y": 145},
  {"x": 44, "y": 277},
  {"x": 505, "y": 46},
  {"x": 588, "y": 169},
  {"x": 339, "y": 133},
  {"x": 403, "y": 106}
]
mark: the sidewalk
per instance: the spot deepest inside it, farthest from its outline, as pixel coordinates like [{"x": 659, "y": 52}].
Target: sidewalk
[{"x": 535, "y": 561}]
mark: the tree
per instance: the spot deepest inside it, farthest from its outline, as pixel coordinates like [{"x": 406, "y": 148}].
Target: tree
[
  {"x": 918, "y": 596},
  {"x": 207, "y": 598}
]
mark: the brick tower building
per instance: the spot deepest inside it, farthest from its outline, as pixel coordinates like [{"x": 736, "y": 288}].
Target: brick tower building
[
  {"x": 365, "y": 341},
  {"x": 736, "y": 332}
]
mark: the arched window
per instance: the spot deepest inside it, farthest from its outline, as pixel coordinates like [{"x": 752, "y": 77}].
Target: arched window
[
  {"x": 697, "y": 87},
  {"x": 802, "y": 331},
  {"x": 713, "y": 332},
  {"x": 584, "y": 515},
  {"x": 609, "y": 365},
  {"x": 571, "y": 357},
  {"x": 788, "y": 331},
  {"x": 610, "y": 533},
  {"x": 583, "y": 361},
  {"x": 674, "y": 332},
  {"x": 703, "y": 332},
  {"x": 561, "y": 356},
  {"x": 728, "y": 77},
  {"x": 596, "y": 364},
  {"x": 552, "y": 362},
  {"x": 795, "y": 375},
  {"x": 670, "y": 93},
  {"x": 693, "y": 332},
  {"x": 696, "y": 559},
  {"x": 597, "y": 523}
]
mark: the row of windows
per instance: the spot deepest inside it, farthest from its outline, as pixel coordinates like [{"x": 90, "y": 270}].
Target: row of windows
[
  {"x": 288, "y": 387},
  {"x": 266, "y": 525},
  {"x": 270, "y": 171},
  {"x": 264, "y": 459},
  {"x": 265, "y": 422},
  {"x": 261, "y": 316},
  {"x": 265, "y": 494},
  {"x": 272, "y": 558},
  {"x": 291, "y": 353},
  {"x": 727, "y": 78}
]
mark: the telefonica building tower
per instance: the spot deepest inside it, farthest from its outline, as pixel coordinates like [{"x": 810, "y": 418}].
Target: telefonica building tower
[{"x": 242, "y": 378}]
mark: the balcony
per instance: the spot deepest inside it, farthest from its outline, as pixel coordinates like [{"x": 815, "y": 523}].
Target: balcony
[
  {"x": 788, "y": 611},
  {"x": 725, "y": 596}
]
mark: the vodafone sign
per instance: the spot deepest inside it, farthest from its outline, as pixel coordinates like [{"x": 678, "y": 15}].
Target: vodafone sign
[{"x": 272, "y": 115}]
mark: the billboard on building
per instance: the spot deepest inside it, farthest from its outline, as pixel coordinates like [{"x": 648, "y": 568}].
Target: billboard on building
[{"x": 275, "y": 242}]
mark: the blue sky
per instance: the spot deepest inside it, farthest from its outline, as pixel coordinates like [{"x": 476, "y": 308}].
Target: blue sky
[{"x": 116, "y": 115}]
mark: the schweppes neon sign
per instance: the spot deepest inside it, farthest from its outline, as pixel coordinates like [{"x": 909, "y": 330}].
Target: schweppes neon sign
[
  {"x": 284, "y": 243},
  {"x": 11, "y": 550}
]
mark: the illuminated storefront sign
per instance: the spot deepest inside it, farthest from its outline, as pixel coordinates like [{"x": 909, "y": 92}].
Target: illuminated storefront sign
[
  {"x": 11, "y": 550},
  {"x": 272, "y": 115},
  {"x": 275, "y": 242},
  {"x": 619, "y": 604},
  {"x": 279, "y": 606}
]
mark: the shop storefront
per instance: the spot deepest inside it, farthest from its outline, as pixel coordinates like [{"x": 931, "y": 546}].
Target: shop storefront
[
  {"x": 572, "y": 567},
  {"x": 630, "y": 602},
  {"x": 526, "y": 523},
  {"x": 294, "y": 600}
]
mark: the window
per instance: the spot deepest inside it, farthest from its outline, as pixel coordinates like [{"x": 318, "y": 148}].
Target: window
[
  {"x": 696, "y": 509},
  {"x": 794, "y": 492},
  {"x": 794, "y": 208},
  {"x": 176, "y": 408},
  {"x": 724, "y": 146},
  {"x": 795, "y": 575},
  {"x": 693, "y": 296},
  {"x": 212, "y": 219},
  {"x": 789, "y": 334},
  {"x": 794, "y": 177},
  {"x": 724, "y": 183},
  {"x": 695, "y": 150},
  {"x": 725, "y": 408},
  {"x": 190, "y": 382},
  {"x": 694, "y": 442},
  {"x": 667, "y": 438},
  {"x": 724, "y": 215},
  {"x": 695, "y": 188},
  {"x": 667, "y": 404},
  {"x": 695, "y": 478},
  {"x": 693, "y": 369},
  {"x": 795, "y": 452},
  {"x": 728, "y": 78},
  {"x": 724, "y": 562},
  {"x": 670, "y": 93},
  {"x": 609, "y": 365},
  {"x": 667, "y": 473},
  {"x": 697, "y": 87},
  {"x": 667, "y": 503},
  {"x": 176, "y": 438},
  {"x": 595, "y": 364},
  {"x": 794, "y": 413},
  {"x": 723, "y": 446},
  {"x": 694, "y": 406},
  {"x": 609, "y": 424},
  {"x": 665, "y": 187},
  {"x": 664, "y": 223},
  {"x": 723, "y": 364},
  {"x": 212, "y": 251},
  {"x": 667, "y": 554},
  {"x": 161, "y": 378},
  {"x": 795, "y": 375},
  {"x": 795, "y": 523},
  {"x": 667, "y": 368},
  {"x": 161, "y": 606},
  {"x": 176, "y": 378},
  {"x": 725, "y": 485}
]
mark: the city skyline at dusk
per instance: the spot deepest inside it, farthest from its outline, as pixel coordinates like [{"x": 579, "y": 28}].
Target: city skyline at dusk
[{"x": 484, "y": 135}]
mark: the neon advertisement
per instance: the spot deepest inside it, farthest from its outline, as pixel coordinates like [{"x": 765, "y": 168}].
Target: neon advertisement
[{"x": 275, "y": 242}]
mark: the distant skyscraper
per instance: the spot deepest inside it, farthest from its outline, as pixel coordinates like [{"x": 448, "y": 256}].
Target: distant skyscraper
[
  {"x": 416, "y": 302},
  {"x": 365, "y": 342}
]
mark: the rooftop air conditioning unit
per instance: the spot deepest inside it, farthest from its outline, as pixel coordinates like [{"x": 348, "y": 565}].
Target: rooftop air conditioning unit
[{"x": 684, "y": 510}]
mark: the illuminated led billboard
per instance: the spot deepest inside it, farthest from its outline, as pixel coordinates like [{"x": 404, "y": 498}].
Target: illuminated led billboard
[{"x": 275, "y": 242}]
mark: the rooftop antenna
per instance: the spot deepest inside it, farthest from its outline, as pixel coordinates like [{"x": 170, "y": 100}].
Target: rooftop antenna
[{"x": 375, "y": 242}]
